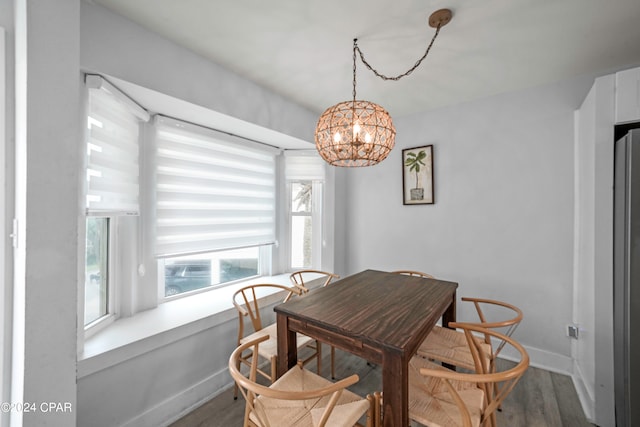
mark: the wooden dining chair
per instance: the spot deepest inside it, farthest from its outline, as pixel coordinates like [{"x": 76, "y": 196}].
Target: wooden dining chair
[
  {"x": 442, "y": 397},
  {"x": 246, "y": 301},
  {"x": 298, "y": 398},
  {"x": 300, "y": 279},
  {"x": 413, "y": 273},
  {"x": 450, "y": 346},
  {"x": 495, "y": 384}
]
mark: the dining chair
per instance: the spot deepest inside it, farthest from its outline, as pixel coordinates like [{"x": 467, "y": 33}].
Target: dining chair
[
  {"x": 298, "y": 398},
  {"x": 299, "y": 279},
  {"x": 450, "y": 346},
  {"x": 413, "y": 273},
  {"x": 247, "y": 302},
  {"x": 439, "y": 396}
]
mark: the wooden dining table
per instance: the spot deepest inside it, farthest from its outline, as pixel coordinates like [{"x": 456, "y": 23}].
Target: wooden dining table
[{"x": 379, "y": 316}]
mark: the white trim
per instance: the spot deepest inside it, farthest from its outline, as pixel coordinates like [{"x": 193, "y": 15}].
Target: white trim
[
  {"x": 4, "y": 303},
  {"x": 585, "y": 396},
  {"x": 94, "y": 81},
  {"x": 564, "y": 365},
  {"x": 542, "y": 359},
  {"x": 18, "y": 326},
  {"x": 180, "y": 404}
]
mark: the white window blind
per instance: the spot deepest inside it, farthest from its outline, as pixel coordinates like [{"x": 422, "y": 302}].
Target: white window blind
[
  {"x": 304, "y": 165},
  {"x": 213, "y": 191},
  {"x": 113, "y": 124}
]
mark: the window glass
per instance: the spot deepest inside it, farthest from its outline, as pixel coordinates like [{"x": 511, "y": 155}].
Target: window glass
[
  {"x": 195, "y": 272},
  {"x": 301, "y": 224},
  {"x": 96, "y": 278},
  {"x": 301, "y": 242},
  {"x": 301, "y": 196}
]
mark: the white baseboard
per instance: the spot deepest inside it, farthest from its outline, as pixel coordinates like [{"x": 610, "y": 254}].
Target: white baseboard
[
  {"x": 584, "y": 394},
  {"x": 565, "y": 365},
  {"x": 543, "y": 359},
  {"x": 182, "y": 403}
]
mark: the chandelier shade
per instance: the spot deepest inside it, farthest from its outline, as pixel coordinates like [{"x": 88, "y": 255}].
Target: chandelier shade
[{"x": 355, "y": 133}]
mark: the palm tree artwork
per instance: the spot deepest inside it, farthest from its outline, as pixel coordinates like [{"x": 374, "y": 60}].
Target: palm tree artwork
[{"x": 415, "y": 162}]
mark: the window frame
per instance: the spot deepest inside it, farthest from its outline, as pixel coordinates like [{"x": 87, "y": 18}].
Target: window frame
[
  {"x": 5, "y": 262},
  {"x": 123, "y": 232},
  {"x": 135, "y": 284},
  {"x": 264, "y": 269},
  {"x": 100, "y": 323},
  {"x": 316, "y": 214},
  {"x": 161, "y": 136}
]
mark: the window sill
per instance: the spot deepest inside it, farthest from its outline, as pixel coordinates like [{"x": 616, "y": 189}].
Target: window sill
[{"x": 171, "y": 321}]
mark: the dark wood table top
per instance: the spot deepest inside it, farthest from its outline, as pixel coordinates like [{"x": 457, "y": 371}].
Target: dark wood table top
[
  {"x": 383, "y": 310},
  {"x": 382, "y": 317}
]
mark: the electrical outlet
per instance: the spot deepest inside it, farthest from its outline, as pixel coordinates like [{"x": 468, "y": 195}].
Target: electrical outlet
[{"x": 572, "y": 331}]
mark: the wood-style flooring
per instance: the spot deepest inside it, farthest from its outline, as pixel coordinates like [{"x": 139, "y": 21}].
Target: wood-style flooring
[{"x": 540, "y": 399}]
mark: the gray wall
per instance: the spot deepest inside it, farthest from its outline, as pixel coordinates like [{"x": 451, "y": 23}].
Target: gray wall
[
  {"x": 153, "y": 388},
  {"x": 502, "y": 224},
  {"x": 47, "y": 132}
]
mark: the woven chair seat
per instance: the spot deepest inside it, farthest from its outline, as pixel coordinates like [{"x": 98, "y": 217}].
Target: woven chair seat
[
  {"x": 299, "y": 398},
  {"x": 450, "y": 346},
  {"x": 302, "y": 413},
  {"x": 247, "y": 302},
  {"x": 269, "y": 348},
  {"x": 431, "y": 403}
]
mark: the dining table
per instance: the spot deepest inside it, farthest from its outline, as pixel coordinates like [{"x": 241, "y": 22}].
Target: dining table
[{"x": 380, "y": 316}]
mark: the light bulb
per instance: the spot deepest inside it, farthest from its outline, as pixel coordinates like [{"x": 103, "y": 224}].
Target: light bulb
[
  {"x": 367, "y": 138},
  {"x": 337, "y": 137},
  {"x": 356, "y": 129}
]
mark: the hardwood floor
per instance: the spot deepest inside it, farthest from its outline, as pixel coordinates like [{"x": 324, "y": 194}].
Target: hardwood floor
[{"x": 540, "y": 399}]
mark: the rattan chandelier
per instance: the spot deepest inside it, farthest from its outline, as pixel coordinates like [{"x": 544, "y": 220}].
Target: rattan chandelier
[{"x": 360, "y": 133}]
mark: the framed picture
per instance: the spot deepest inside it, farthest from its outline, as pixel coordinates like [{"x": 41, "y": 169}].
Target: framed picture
[{"x": 417, "y": 175}]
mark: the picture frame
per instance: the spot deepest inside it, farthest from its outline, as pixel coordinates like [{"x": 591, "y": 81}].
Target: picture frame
[{"x": 417, "y": 176}]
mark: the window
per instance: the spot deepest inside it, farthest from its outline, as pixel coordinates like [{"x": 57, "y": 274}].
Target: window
[
  {"x": 96, "y": 295},
  {"x": 215, "y": 206},
  {"x": 301, "y": 242},
  {"x": 195, "y": 272},
  {"x": 112, "y": 189},
  {"x": 305, "y": 178}
]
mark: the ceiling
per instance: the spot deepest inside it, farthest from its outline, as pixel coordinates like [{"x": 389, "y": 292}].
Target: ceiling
[{"x": 302, "y": 49}]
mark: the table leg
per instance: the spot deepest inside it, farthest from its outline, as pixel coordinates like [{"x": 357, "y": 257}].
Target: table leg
[
  {"x": 450, "y": 313},
  {"x": 449, "y": 316},
  {"x": 287, "y": 345},
  {"x": 395, "y": 391}
]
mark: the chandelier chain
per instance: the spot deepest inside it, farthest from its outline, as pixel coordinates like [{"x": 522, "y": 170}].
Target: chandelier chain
[
  {"x": 382, "y": 76},
  {"x": 354, "y": 69},
  {"x": 361, "y": 133}
]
